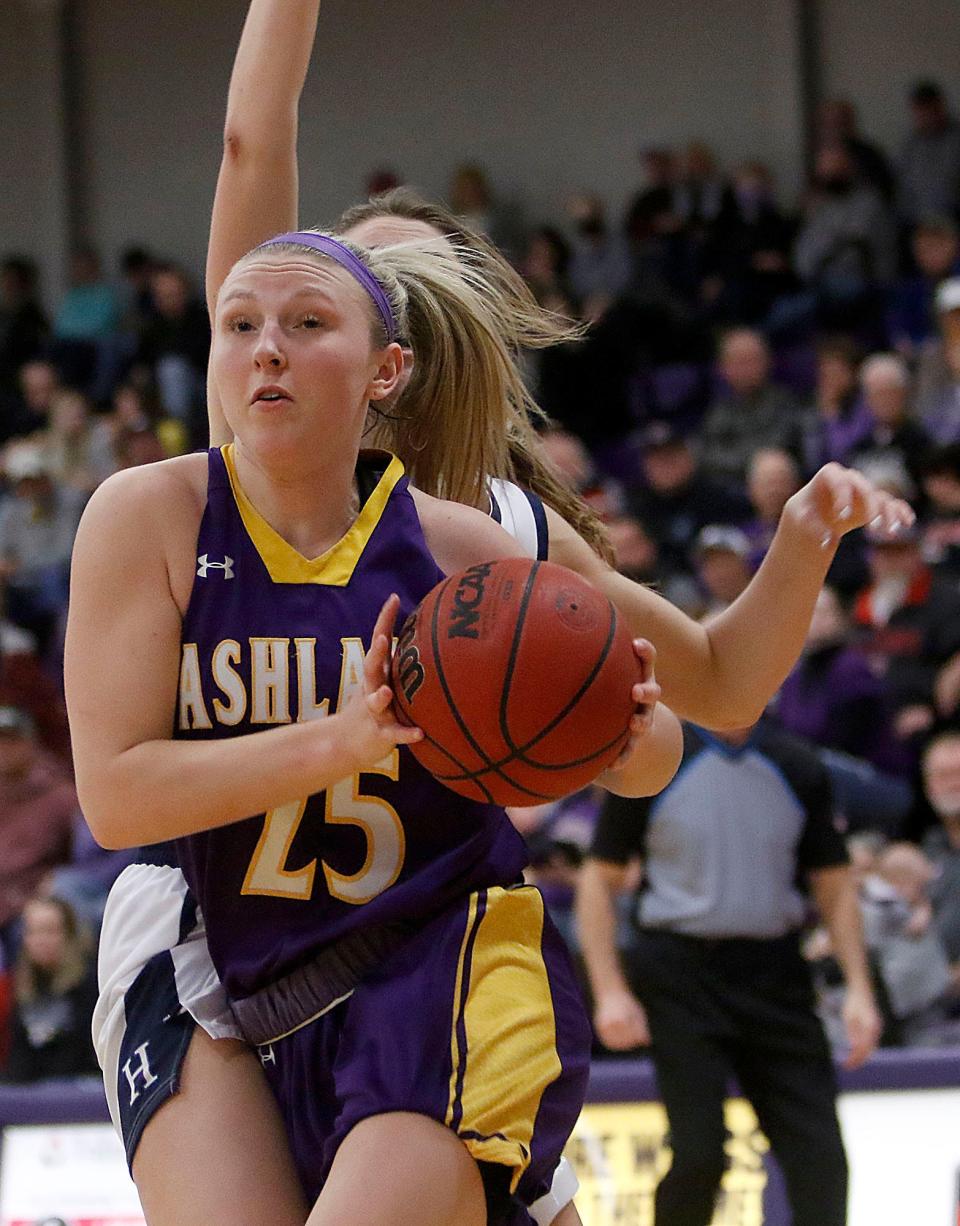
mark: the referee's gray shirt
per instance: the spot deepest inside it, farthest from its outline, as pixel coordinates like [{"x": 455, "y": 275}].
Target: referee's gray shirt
[{"x": 726, "y": 846}]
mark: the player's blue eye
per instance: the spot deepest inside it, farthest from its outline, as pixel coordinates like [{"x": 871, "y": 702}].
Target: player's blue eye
[
  {"x": 311, "y": 321},
  {"x": 240, "y": 325}
]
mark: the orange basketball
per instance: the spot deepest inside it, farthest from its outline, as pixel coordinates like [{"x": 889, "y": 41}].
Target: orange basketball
[{"x": 519, "y": 674}]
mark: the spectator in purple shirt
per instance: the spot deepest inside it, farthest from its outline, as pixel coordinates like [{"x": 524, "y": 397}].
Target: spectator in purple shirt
[
  {"x": 772, "y": 478},
  {"x": 838, "y": 419},
  {"x": 832, "y": 697}
]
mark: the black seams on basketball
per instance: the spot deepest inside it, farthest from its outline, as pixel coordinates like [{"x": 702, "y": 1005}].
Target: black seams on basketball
[{"x": 519, "y": 674}]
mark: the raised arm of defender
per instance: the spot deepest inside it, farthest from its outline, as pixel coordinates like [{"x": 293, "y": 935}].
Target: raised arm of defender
[
  {"x": 257, "y": 188},
  {"x": 723, "y": 674}
]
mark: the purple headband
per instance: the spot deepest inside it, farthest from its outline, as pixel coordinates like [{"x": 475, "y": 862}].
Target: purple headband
[{"x": 343, "y": 256}]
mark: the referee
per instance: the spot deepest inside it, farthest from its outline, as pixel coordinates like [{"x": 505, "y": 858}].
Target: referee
[{"x": 714, "y": 978}]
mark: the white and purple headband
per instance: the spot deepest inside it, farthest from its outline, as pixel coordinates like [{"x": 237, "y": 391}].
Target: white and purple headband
[{"x": 343, "y": 256}]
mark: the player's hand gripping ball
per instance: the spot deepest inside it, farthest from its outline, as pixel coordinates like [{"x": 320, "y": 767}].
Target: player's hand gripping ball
[{"x": 520, "y": 675}]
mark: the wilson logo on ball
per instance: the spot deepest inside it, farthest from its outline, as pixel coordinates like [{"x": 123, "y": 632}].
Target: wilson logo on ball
[
  {"x": 408, "y": 668},
  {"x": 465, "y": 612}
]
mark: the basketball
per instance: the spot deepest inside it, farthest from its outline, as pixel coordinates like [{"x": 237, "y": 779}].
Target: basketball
[{"x": 519, "y": 674}]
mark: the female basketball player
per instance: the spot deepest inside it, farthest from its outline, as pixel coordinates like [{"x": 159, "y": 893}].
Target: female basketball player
[
  {"x": 257, "y": 195},
  {"x": 441, "y": 1019}
]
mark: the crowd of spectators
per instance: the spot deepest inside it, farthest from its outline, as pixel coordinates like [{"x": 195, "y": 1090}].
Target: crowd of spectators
[
  {"x": 734, "y": 342},
  {"x": 735, "y": 346}
]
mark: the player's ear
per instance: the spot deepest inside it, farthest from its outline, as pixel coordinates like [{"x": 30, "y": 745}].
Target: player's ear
[{"x": 390, "y": 375}]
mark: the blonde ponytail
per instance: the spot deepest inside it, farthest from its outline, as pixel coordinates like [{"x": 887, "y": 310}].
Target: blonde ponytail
[{"x": 466, "y": 413}]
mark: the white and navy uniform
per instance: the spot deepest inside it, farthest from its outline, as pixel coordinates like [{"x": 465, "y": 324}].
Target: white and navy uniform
[{"x": 157, "y": 979}]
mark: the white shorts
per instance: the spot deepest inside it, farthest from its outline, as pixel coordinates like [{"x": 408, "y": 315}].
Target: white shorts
[{"x": 157, "y": 983}]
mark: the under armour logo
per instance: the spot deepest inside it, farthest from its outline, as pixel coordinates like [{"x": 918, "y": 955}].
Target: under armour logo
[
  {"x": 142, "y": 1070},
  {"x": 226, "y": 566},
  {"x": 267, "y": 1055}
]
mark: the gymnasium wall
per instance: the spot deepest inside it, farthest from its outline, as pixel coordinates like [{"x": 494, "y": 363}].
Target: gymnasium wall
[
  {"x": 551, "y": 97},
  {"x": 32, "y": 184},
  {"x": 873, "y": 51}
]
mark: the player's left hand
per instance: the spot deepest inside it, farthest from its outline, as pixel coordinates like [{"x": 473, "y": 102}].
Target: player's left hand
[
  {"x": 646, "y": 695},
  {"x": 836, "y": 500},
  {"x": 863, "y": 1025}
]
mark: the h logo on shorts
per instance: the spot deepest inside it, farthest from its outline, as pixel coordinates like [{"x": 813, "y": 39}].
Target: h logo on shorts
[
  {"x": 204, "y": 565},
  {"x": 267, "y": 1054},
  {"x": 142, "y": 1070}
]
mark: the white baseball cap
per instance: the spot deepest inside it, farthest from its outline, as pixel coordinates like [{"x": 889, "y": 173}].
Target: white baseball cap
[{"x": 948, "y": 295}]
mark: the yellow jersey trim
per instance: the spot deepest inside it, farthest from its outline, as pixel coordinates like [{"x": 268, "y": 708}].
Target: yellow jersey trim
[{"x": 335, "y": 567}]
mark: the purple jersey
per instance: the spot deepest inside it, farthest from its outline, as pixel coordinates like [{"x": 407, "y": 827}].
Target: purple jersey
[{"x": 271, "y": 638}]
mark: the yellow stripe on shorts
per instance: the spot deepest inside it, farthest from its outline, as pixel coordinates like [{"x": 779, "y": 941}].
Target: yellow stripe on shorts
[{"x": 509, "y": 1056}]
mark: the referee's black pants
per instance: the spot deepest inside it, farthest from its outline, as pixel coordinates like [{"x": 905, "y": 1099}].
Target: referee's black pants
[{"x": 744, "y": 1008}]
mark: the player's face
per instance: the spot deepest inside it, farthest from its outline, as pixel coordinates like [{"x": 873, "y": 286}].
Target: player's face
[{"x": 293, "y": 357}]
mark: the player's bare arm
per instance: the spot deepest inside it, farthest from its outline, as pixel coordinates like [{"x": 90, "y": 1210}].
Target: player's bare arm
[
  {"x": 724, "y": 673},
  {"x": 257, "y": 188},
  {"x": 129, "y": 592},
  {"x": 618, "y": 1016},
  {"x": 460, "y": 536}
]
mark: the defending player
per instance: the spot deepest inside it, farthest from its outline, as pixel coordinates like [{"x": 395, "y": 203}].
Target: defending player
[{"x": 387, "y": 1048}]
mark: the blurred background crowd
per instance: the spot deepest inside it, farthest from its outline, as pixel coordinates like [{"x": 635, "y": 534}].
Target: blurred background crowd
[{"x": 734, "y": 342}]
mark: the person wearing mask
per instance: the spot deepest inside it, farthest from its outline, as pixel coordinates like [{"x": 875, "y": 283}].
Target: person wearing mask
[
  {"x": 837, "y": 123},
  {"x": 846, "y": 247},
  {"x": 929, "y": 170},
  {"x": 599, "y": 268},
  {"x": 755, "y": 263},
  {"x": 650, "y": 212},
  {"x": 714, "y": 978}
]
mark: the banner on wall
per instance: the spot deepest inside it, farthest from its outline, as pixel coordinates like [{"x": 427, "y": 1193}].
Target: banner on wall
[
  {"x": 74, "y": 1172},
  {"x": 903, "y": 1150},
  {"x": 620, "y": 1154}
]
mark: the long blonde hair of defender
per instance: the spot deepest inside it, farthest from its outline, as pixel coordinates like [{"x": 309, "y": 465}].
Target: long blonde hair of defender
[
  {"x": 464, "y": 414},
  {"x": 525, "y": 325}
]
